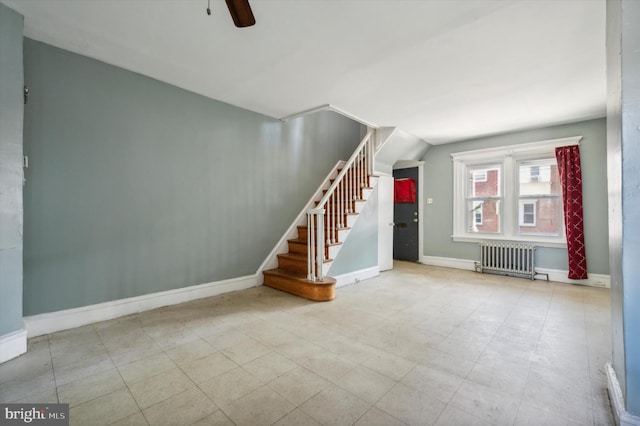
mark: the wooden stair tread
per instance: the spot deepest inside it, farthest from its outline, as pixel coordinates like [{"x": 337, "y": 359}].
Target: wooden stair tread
[{"x": 297, "y": 241}]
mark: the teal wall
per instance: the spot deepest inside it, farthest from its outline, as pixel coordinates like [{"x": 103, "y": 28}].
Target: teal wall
[
  {"x": 360, "y": 250},
  {"x": 136, "y": 186},
  {"x": 11, "y": 209},
  {"x": 438, "y": 185}
]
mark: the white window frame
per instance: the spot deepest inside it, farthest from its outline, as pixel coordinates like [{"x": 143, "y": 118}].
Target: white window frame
[{"x": 509, "y": 157}]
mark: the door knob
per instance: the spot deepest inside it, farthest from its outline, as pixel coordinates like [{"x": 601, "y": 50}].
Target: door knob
[{"x": 415, "y": 220}]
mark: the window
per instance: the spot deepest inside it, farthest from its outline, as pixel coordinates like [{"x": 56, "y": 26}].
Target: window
[
  {"x": 539, "y": 202},
  {"x": 534, "y": 174},
  {"x": 509, "y": 193},
  {"x": 477, "y": 213},
  {"x": 527, "y": 214},
  {"x": 482, "y": 198},
  {"x": 480, "y": 176}
]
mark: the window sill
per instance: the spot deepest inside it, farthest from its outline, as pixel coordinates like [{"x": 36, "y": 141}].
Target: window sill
[{"x": 536, "y": 242}]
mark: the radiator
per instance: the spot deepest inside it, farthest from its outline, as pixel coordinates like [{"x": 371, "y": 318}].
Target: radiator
[{"x": 508, "y": 258}]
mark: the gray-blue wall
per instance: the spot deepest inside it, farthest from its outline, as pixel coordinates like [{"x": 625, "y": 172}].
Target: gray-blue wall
[
  {"x": 360, "y": 250},
  {"x": 623, "y": 151},
  {"x": 136, "y": 186},
  {"x": 11, "y": 211},
  {"x": 438, "y": 185}
]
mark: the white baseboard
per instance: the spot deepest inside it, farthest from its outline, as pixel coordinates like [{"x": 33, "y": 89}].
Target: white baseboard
[
  {"x": 356, "y": 276},
  {"x": 594, "y": 280},
  {"x": 13, "y": 344},
  {"x": 557, "y": 275},
  {"x": 37, "y": 325},
  {"x": 621, "y": 416},
  {"x": 448, "y": 262}
]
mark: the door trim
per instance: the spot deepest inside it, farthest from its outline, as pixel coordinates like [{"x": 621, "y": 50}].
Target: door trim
[{"x": 408, "y": 164}]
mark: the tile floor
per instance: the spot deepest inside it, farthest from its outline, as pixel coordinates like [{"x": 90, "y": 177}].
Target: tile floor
[{"x": 417, "y": 345}]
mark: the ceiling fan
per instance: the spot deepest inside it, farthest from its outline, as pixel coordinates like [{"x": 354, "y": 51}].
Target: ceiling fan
[{"x": 240, "y": 11}]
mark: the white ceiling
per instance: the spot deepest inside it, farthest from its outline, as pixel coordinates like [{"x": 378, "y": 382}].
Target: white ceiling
[{"x": 443, "y": 70}]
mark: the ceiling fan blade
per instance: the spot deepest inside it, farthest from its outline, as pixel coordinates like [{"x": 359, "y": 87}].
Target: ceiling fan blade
[{"x": 241, "y": 13}]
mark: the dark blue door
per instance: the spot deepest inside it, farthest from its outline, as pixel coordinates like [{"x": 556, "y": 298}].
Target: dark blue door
[{"x": 405, "y": 218}]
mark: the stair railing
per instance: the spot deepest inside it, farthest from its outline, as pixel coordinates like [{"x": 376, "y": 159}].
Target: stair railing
[{"x": 330, "y": 215}]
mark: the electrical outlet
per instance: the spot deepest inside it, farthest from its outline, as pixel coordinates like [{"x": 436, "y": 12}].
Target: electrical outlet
[
  {"x": 598, "y": 282},
  {"x": 429, "y": 200}
]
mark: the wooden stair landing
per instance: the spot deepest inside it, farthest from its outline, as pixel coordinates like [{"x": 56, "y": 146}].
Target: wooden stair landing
[{"x": 298, "y": 284}]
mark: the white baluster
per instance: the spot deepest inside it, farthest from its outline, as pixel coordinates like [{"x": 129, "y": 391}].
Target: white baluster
[
  {"x": 320, "y": 248},
  {"x": 310, "y": 247}
]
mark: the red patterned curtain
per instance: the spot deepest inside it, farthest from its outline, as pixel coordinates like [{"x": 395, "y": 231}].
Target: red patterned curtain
[{"x": 570, "y": 172}]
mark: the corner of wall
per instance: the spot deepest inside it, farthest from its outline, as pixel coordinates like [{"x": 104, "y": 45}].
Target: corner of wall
[{"x": 13, "y": 345}]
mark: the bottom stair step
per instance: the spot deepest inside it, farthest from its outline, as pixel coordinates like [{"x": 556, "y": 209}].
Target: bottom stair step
[{"x": 298, "y": 284}]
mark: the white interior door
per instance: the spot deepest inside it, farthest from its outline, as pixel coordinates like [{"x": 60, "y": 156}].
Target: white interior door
[{"x": 385, "y": 222}]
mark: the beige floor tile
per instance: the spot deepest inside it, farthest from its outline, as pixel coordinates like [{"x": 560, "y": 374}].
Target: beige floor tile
[
  {"x": 529, "y": 415},
  {"x": 182, "y": 409},
  {"x": 125, "y": 338},
  {"x": 66, "y": 355},
  {"x": 297, "y": 418},
  {"x": 230, "y": 386},
  {"x": 377, "y": 417},
  {"x": 435, "y": 383},
  {"x": 269, "y": 366},
  {"x": 449, "y": 363},
  {"x": 80, "y": 369},
  {"x": 208, "y": 367},
  {"x": 245, "y": 351},
  {"x": 134, "y": 352},
  {"x": 104, "y": 410},
  {"x": 175, "y": 338},
  {"x": 452, "y": 416},
  {"x": 136, "y": 419},
  {"x": 260, "y": 407},
  {"x": 146, "y": 368},
  {"x": 160, "y": 387},
  {"x": 27, "y": 366},
  {"x": 298, "y": 385},
  {"x": 335, "y": 406},
  {"x": 224, "y": 339},
  {"x": 46, "y": 396},
  {"x": 526, "y": 350},
  {"x": 410, "y": 405},
  {"x": 19, "y": 388},
  {"x": 90, "y": 387},
  {"x": 190, "y": 352},
  {"x": 467, "y": 349},
  {"x": 504, "y": 377},
  {"x": 556, "y": 396},
  {"x": 328, "y": 365},
  {"x": 299, "y": 350},
  {"x": 366, "y": 384},
  {"x": 269, "y": 334},
  {"x": 388, "y": 364},
  {"x": 491, "y": 406},
  {"x": 216, "y": 419}
]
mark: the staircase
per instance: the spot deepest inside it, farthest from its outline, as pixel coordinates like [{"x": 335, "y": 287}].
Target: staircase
[{"x": 301, "y": 270}]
